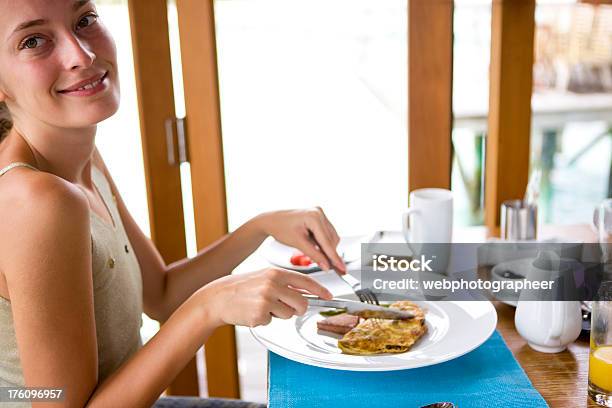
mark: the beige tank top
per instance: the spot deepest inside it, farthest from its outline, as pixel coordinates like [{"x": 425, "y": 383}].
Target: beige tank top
[{"x": 117, "y": 294}]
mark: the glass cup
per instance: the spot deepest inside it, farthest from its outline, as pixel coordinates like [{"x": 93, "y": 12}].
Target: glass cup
[{"x": 600, "y": 357}]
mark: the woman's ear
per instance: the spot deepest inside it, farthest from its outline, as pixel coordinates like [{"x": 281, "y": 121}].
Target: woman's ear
[{"x": 3, "y": 94}]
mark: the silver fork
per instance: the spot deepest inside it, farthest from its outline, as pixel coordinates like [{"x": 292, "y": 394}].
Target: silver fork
[{"x": 364, "y": 295}]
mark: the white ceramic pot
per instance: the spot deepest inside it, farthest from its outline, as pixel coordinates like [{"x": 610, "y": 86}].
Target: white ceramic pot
[{"x": 548, "y": 325}]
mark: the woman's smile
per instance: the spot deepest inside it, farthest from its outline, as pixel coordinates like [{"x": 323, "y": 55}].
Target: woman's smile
[
  {"x": 88, "y": 87},
  {"x": 59, "y": 64}
]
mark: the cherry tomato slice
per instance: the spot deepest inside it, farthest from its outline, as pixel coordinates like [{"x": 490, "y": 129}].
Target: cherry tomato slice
[
  {"x": 299, "y": 259},
  {"x": 305, "y": 260},
  {"x": 296, "y": 259}
]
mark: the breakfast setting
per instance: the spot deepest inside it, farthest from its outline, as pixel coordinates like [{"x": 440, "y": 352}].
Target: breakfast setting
[{"x": 367, "y": 343}]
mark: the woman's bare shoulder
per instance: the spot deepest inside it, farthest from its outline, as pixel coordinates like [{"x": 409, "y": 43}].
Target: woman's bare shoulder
[
  {"x": 23, "y": 188},
  {"x": 35, "y": 205}
]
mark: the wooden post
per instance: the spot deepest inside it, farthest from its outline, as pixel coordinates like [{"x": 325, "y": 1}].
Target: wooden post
[
  {"x": 151, "y": 46},
  {"x": 430, "y": 72},
  {"x": 200, "y": 76},
  {"x": 507, "y": 150}
]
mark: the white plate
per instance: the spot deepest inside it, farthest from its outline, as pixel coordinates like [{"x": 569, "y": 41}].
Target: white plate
[
  {"x": 454, "y": 329},
  {"x": 280, "y": 255}
]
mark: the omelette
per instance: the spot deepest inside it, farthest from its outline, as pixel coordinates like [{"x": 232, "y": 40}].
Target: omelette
[{"x": 383, "y": 336}]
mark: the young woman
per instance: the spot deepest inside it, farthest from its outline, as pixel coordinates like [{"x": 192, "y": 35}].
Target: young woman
[{"x": 76, "y": 272}]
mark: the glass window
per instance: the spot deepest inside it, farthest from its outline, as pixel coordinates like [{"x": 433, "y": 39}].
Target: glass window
[
  {"x": 313, "y": 104},
  {"x": 572, "y": 109},
  {"x": 471, "y": 56}
]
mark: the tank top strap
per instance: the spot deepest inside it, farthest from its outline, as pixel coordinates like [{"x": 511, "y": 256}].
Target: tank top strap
[{"x": 14, "y": 165}]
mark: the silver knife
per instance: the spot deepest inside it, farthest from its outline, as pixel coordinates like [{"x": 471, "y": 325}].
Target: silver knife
[{"x": 360, "y": 309}]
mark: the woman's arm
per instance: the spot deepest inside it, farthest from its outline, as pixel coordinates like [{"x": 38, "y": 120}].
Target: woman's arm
[
  {"x": 47, "y": 264},
  {"x": 293, "y": 227},
  {"x": 165, "y": 287},
  {"x": 248, "y": 300},
  {"x": 163, "y": 292}
]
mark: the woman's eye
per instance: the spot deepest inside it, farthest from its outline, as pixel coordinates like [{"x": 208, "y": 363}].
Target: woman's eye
[
  {"x": 32, "y": 42},
  {"x": 86, "y": 21}
]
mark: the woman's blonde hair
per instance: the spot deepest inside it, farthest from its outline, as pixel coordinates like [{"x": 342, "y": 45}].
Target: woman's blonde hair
[{"x": 5, "y": 121}]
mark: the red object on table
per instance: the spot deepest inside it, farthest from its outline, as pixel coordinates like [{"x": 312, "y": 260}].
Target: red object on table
[{"x": 299, "y": 259}]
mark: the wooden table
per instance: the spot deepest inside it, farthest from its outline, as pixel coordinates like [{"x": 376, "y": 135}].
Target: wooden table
[{"x": 561, "y": 378}]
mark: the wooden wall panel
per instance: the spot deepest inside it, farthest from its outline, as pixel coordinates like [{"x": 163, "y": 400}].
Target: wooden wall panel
[
  {"x": 430, "y": 71},
  {"x": 199, "y": 57},
  {"x": 151, "y": 47},
  {"x": 507, "y": 151}
]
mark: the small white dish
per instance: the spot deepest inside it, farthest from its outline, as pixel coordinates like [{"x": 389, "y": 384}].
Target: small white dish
[
  {"x": 510, "y": 271},
  {"x": 280, "y": 254}
]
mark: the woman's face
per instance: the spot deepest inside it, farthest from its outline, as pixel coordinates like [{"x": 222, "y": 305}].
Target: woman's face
[{"x": 57, "y": 62}]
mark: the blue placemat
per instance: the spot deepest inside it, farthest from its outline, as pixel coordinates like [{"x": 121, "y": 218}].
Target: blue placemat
[{"x": 487, "y": 377}]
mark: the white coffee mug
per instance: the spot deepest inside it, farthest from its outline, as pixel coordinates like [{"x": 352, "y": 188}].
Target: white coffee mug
[
  {"x": 429, "y": 221},
  {"x": 430, "y": 216}
]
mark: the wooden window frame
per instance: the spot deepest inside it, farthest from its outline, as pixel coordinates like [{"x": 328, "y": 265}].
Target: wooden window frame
[
  {"x": 202, "y": 104},
  {"x": 510, "y": 90},
  {"x": 430, "y": 74},
  {"x": 153, "y": 71}
]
